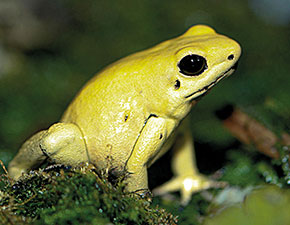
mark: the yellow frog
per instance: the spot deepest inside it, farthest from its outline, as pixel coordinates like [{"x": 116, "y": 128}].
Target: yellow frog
[{"x": 129, "y": 113}]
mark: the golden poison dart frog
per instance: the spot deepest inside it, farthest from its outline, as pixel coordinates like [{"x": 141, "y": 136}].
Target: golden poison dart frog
[{"x": 130, "y": 113}]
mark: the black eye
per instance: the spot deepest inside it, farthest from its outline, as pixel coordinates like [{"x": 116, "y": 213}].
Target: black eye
[{"x": 192, "y": 65}]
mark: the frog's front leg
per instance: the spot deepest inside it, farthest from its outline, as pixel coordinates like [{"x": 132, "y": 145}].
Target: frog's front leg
[
  {"x": 62, "y": 143},
  {"x": 187, "y": 178},
  {"x": 150, "y": 140}
]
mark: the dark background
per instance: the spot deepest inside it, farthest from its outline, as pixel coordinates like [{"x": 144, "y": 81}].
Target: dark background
[{"x": 49, "y": 49}]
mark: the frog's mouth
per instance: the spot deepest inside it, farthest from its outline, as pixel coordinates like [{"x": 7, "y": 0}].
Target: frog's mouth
[{"x": 203, "y": 91}]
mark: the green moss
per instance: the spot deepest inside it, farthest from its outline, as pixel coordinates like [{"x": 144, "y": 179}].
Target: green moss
[
  {"x": 61, "y": 195},
  {"x": 248, "y": 168},
  {"x": 242, "y": 170},
  {"x": 190, "y": 214},
  {"x": 283, "y": 162}
]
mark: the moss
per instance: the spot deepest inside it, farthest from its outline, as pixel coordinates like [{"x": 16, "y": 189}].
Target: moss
[
  {"x": 190, "y": 214},
  {"x": 62, "y": 195},
  {"x": 284, "y": 163}
]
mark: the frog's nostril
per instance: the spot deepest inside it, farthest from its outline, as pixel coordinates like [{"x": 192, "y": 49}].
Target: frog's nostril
[{"x": 231, "y": 57}]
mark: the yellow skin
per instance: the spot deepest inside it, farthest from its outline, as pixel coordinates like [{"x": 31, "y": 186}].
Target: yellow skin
[{"x": 127, "y": 116}]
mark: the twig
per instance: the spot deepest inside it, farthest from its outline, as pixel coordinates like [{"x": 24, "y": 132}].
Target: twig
[
  {"x": 250, "y": 131},
  {"x": 3, "y": 167}
]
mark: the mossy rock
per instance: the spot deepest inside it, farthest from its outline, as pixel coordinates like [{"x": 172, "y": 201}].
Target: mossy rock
[{"x": 63, "y": 195}]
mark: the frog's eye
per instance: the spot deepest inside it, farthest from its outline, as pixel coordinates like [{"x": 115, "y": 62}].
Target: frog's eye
[{"x": 192, "y": 65}]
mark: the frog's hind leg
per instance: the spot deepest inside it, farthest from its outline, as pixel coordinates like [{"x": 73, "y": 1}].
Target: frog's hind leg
[{"x": 62, "y": 143}]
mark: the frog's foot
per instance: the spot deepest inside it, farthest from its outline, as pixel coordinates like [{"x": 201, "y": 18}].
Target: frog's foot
[{"x": 188, "y": 185}]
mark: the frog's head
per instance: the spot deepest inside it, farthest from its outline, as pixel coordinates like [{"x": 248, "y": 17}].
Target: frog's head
[
  {"x": 205, "y": 58},
  {"x": 192, "y": 64}
]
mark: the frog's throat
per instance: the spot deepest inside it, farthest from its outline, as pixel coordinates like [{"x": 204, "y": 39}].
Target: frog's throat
[{"x": 205, "y": 89}]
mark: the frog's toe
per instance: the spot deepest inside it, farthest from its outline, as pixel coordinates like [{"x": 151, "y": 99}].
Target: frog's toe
[
  {"x": 170, "y": 186},
  {"x": 193, "y": 184},
  {"x": 188, "y": 185}
]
